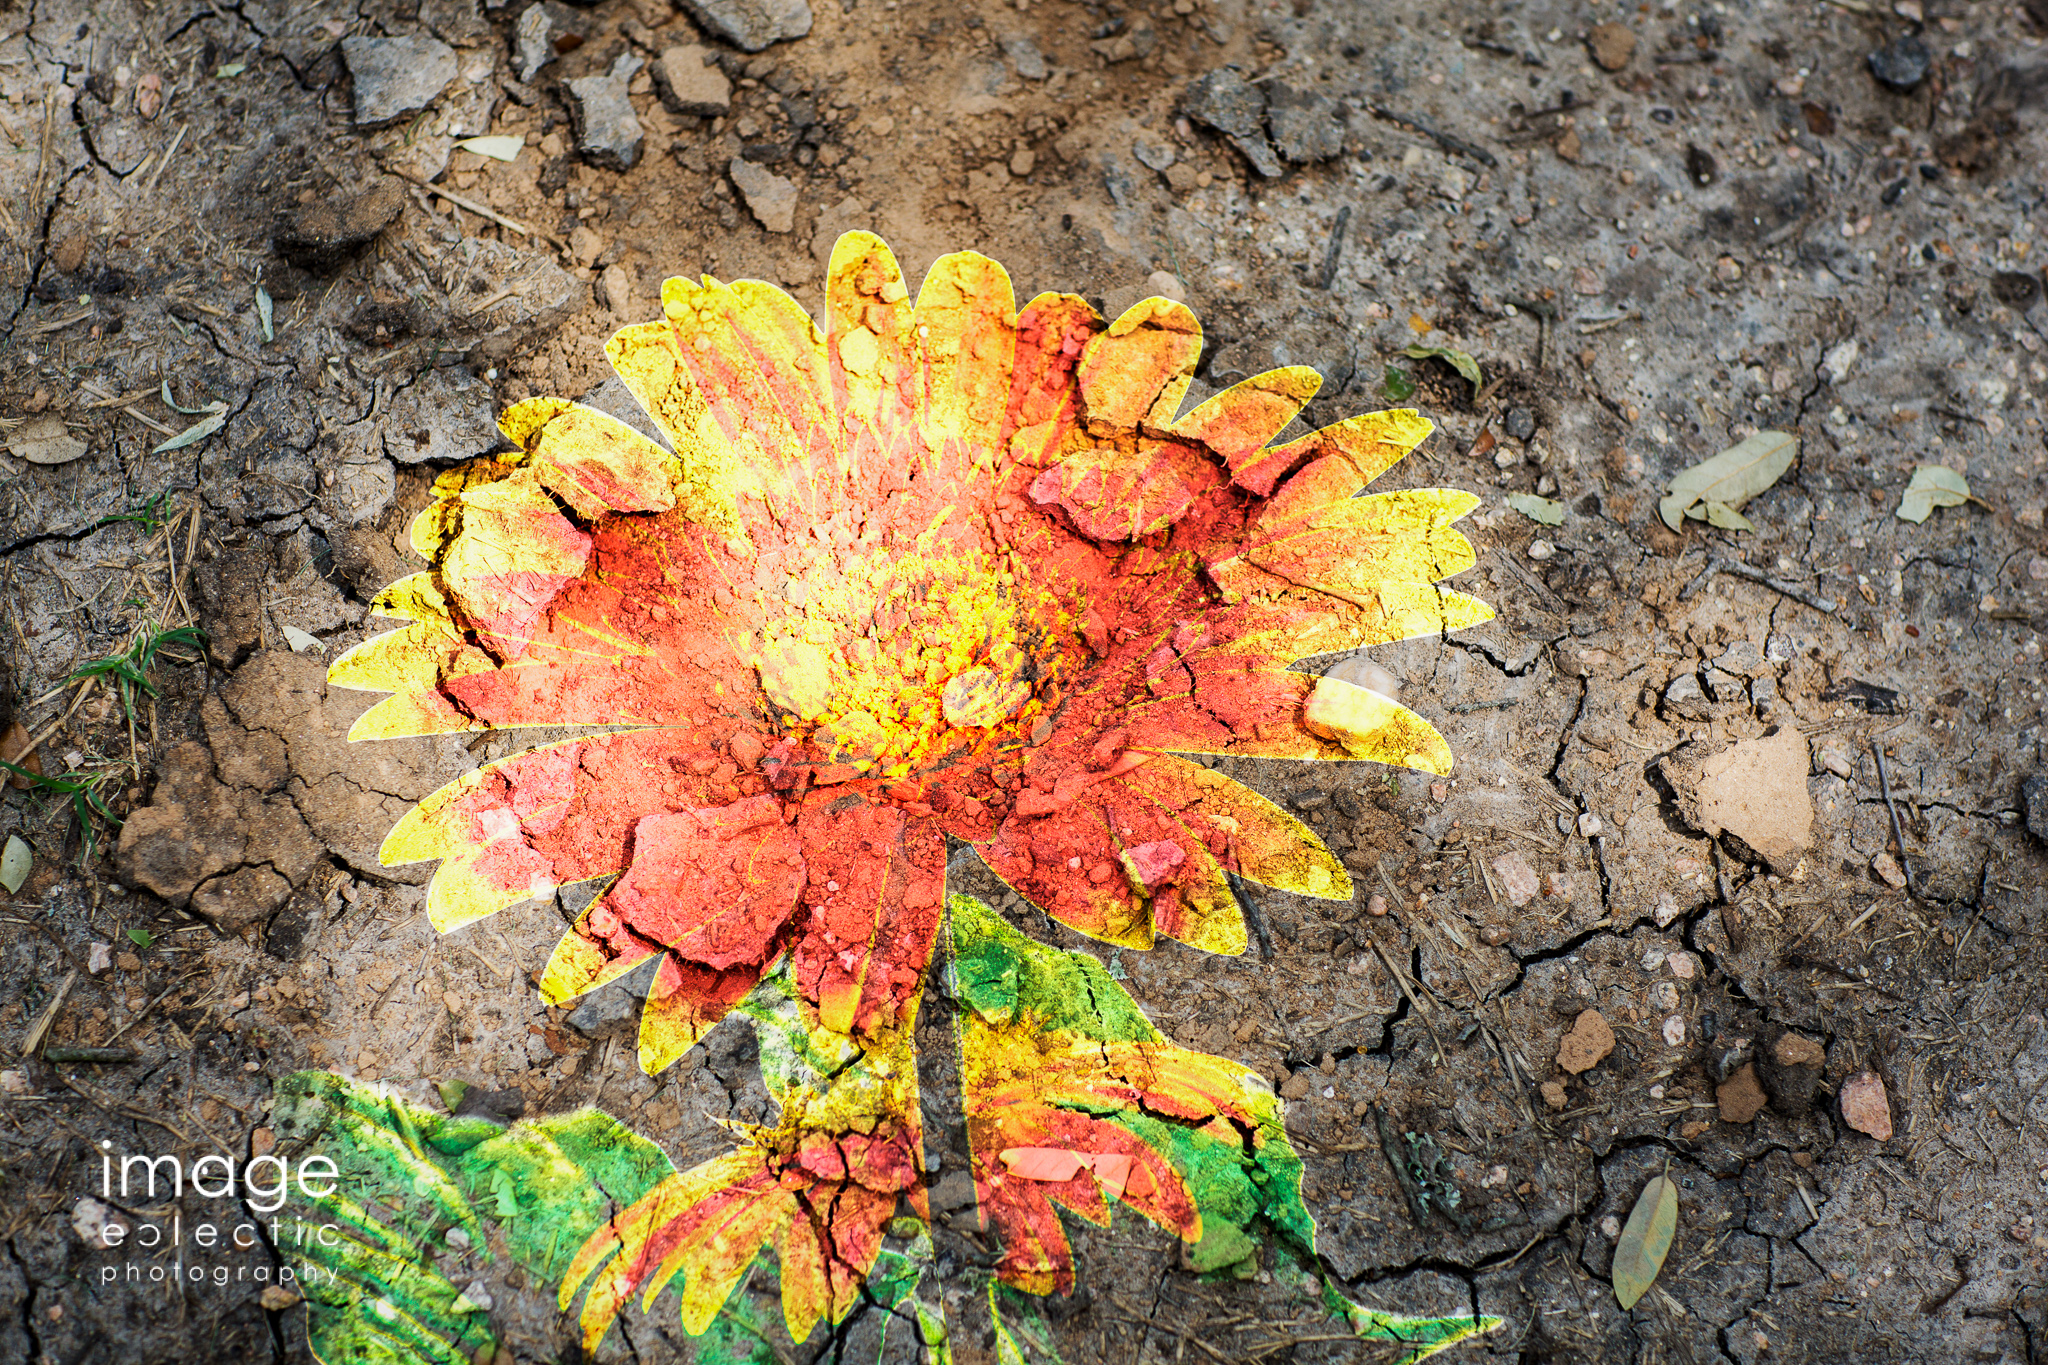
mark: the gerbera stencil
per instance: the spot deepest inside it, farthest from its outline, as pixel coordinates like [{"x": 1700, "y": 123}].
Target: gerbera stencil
[{"x": 936, "y": 569}]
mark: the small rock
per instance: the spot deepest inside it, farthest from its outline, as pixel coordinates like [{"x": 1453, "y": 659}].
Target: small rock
[
  {"x": 608, "y": 132},
  {"x": 954, "y": 1190},
  {"x": 1553, "y": 1093},
  {"x": 751, "y": 25},
  {"x": 89, "y": 1219},
  {"x": 1840, "y": 360},
  {"x": 535, "y": 37},
  {"x": 1022, "y": 162},
  {"x": 1763, "y": 696},
  {"x": 394, "y": 77},
  {"x": 1902, "y": 65},
  {"x": 1295, "y": 1087},
  {"x": 1686, "y": 699},
  {"x": 1624, "y": 465},
  {"x": 14, "y": 1083},
  {"x": 478, "y": 1295},
  {"x": 1305, "y": 127},
  {"x": 1541, "y": 550},
  {"x": 1794, "y": 1049},
  {"x": 276, "y": 1298},
  {"x": 69, "y": 254},
  {"x": 1740, "y": 1096},
  {"x": 1517, "y": 879},
  {"x": 2034, "y": 800},
  {"x": 1888, "y": 871},
  {"x": 1590, "y": 826},
  {"x": 1025, "y": 56},
  {"x": 1611, "y": 45},
  {"x": 771, "y": 198},
  {"x": 1743, "y": 657},
  {"x": 1674, "y": 1031},
  {"x": 1588, "y": 281},
  {"x": 1866, "y": 1107},
  {"x": 1153, "y": 153},
  {"x": 1723, "y": 686},
  {"x": 1682, "y": 964},
  {"x": 1376, "y": 905},
  {"x": 1664, "y": 996},
  {"x": 1836, "y": 757},
  {"x": 128, "y": 962},
  {"x": 1557, "y": 885},
  {"x": 1496, "y": 936},
  {"x": 333, "y": 228},
  {"x": 1754, "y": 789},
  {"x": 1589, "y": 1040},
  {"x": 98, "y": 958},
  {"x": 1519, "y": 423},
  {"x": 1234, "y": 107},
  {"x": 1727, "y": 270},
  {"x": 1610, "y": 1228},
  {"x": 690, "y": 83}
]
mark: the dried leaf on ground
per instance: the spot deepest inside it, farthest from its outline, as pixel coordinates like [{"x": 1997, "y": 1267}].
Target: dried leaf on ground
[
  {"x": 15, "y": 862},
  {"x": 1932, "y": 486},
  {"x": 1714, "y": 490},
  {"x": 1645, "y": 1241},
  {"x": 1458, "y": 360},
  {"x": 1548, "y": 511}
]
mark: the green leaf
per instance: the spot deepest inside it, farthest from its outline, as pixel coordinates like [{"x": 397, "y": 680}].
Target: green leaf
[
  {"x": 1458, "y": 360},
  {"x": 1722, "y": 515},
  {"x": 15, "y": 863},
  {"x": 410, "y": 1178},
  {"x": 141, "y": 938},
  {"x": 1398, "y": 385},
  {"x": 1932, "y": 486},
  {"x": 1645, "y": 1241},
  {"x": 198, "y": 431},
  {"x": 1548, "y": 511},
  {"x": 264, "y": 312},
  {"x": 1730, "y": 479}
]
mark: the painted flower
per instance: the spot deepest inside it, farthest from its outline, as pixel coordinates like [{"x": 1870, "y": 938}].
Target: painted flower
[{"x": 940, "y": 569}]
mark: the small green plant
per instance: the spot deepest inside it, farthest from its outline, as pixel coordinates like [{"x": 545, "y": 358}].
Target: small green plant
[
  {"x": 87, "y": 795},
  {"x": 127, "y": 672},
  {"x": 141, "y": 938},
  {"x": 150, "y": 515}
]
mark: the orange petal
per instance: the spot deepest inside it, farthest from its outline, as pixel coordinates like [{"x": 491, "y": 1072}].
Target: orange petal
[
  {"x": 1135, "y": 374},
  {"x": 1239, "y": 421}
]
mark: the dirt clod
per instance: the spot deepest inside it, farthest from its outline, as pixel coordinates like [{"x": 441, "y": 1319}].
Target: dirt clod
[
  {"x": 1865, "y": 1105},
  {"x": 1611, "y": 45},
  {"x": 1740, "y": 1097},
  {"x": 1754, "y": 790},
  {"x": 1586, "y": 1044}
]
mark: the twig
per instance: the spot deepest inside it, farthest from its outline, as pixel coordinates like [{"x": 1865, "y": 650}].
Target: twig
[
  {"x": 500, "y": 219},
  {"x": 1716, "y": 564},
  {"x": 1884, "y": 786},
  {"x": 149, "y": 190},
  {"x": 41, "y": 1028},
  {"x": 1329, "y": 271},
  {"x": 144, "y": 1014},
  {"x": 1441, "y": 138}
]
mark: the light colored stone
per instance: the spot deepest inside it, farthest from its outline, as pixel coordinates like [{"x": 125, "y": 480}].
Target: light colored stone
[
  {"x": 1888, "y": 871},
  {"x": 751, "y": 25},
  {"x": 1517, "y": 879},
  {"x": 690, "y": 83},
  {"x": 394, "y": 77},
  {"x": 608, "y": 132},
  {"x": 1674, "y": 1031},
  {"x": 1589, "y": 1041},
  {"x": 1754, "y": 789},
  {"x": 769, "y": 197},
  {"x": 1796, "y": 1049},
  {"x": 1611, "y": 45},
  {"x": 1866, "y": 1107},
  {"x": 1553, "y": 1093}
]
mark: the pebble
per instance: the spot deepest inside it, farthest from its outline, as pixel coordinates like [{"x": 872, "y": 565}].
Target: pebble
[
  {"x": 535, "y": 36},
  {"x": 1674, "y": 1030},
  {"x": 1722, "y": 686},
  {"x": 1902, "y": 65},
  {"x": 1305, "y": 126},
  {"x": 1740, "y": 1096},
  {"x": 1496, "y": 936},
  {"x": 1664, "y": 996},
  {"x": 1022, "y": 162},
  {"x": 1610, "y": 1228},
  {"x": 394, "y": 77},
  {"x": 1376, "y": 905},
  {"x": 1589, "y": 1040},
  {"x": 1541, "y": 550},
  {"x": 1234, "y": 107},
  {"x": 690, "y": 84},
  {"x": 1553, "y": 1093},
  {"x": 1866, "y": 1107},
  {"x": 1590, "y": 826},
  {"x": 1686, "y": 698},
  {"x": 751, "y": 25},
  {"x": 608, "y": 132},
  {"x": 1557, "y": 885},
  {"x": 1611, "y": 45},
  {"x": 1796, "y": 1049},
  {"x": 1519, "y": 423},
  {"x": 1026, "y": 58},
  {"x": 1681, "y": 964},
  {"x": 1888, "y": 871},
  {"x": 771, "y": 198},
  {"x": 1517, "y": 879}
]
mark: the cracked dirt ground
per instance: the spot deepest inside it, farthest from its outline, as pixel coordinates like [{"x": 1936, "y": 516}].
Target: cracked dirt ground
[{"x": 1738, "y": 228}]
